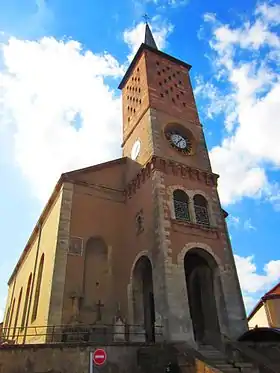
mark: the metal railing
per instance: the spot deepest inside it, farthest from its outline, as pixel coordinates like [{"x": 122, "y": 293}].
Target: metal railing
[{"x": 79, "y": 333}]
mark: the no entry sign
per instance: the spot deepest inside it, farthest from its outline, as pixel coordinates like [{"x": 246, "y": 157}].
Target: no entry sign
[{"x": 99, "y": 357}]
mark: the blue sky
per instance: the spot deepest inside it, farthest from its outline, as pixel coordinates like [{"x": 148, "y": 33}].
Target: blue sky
[{"x": 60, "y": 64}]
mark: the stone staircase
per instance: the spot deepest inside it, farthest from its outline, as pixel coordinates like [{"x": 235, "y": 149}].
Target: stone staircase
[
  {"x": 154, "y": 359},
  {"x": 216, "y": 359}
]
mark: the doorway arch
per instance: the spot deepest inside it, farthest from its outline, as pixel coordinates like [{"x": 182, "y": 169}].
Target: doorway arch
[
  {"x": 200, "y": 270},
  {"x": 143, "y": 297}
]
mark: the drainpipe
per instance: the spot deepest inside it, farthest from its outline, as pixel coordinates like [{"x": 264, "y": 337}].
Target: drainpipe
[{"x": 32, "y": 283}]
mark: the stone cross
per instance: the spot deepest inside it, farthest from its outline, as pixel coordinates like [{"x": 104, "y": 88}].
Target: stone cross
[{"x": 146, "y": 18}]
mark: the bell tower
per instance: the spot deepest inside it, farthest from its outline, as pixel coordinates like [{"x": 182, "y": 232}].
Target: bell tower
[
  {"x": 196, "y": 290},
  {"x": 160, "y": 117}
]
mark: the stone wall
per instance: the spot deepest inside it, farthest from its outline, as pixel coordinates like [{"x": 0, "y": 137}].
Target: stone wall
[
  {"x": 74, "y": 358},
  {"x": 65, "y": 359}
]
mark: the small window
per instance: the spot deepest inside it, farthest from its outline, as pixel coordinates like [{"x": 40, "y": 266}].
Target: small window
[
  {"x": 201, "y": 210},
  {"x": 181, "y": 205}
]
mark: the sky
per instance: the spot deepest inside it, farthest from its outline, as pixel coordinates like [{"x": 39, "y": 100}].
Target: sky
[{"x": 60, "y": 109}]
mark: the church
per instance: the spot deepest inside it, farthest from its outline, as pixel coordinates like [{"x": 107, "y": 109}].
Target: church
[{"x": 137, "y": 244}]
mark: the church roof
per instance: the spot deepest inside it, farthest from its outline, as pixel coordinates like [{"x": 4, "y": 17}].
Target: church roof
[
  {"x": 149, "y": 39},
  {"x": 271, "y": 294}
]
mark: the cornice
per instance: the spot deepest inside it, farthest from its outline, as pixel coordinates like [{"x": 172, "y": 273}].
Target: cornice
[{"x": 169, "y": 167}]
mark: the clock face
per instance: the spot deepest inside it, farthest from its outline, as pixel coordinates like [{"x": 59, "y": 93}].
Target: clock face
[
  {"x": 179, "y": 141},
  {"x": 135, "y": 150}
]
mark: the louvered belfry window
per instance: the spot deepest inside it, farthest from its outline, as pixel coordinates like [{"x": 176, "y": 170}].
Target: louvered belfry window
[
  {"x": 181, "y": 205},
  {"x": 201, "y": 210}
]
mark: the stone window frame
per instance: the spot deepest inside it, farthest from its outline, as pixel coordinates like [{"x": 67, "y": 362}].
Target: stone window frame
[
  {"x": 187, "y": 216},
  {"x": 82, "y": 246},
  {"x": 191, "y": 193},
  {"x": 219, "y": 273}
]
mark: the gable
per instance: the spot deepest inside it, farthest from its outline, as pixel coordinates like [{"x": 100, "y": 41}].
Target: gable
[{"x": 110, "y": 174}]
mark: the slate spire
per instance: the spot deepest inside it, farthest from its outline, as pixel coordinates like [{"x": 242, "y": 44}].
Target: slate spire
[{"x": 149, "y": 39}]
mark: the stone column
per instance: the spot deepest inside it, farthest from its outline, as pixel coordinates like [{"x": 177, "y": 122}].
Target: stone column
[
  {"x": 59, "y": 271},
  {"x": 169, "y": 279}
]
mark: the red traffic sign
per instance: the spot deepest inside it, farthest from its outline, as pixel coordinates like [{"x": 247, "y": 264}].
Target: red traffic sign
[{"x": 99, "y": 356}]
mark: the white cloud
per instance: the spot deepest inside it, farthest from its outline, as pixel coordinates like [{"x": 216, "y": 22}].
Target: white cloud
[
  {"x": 248, "y": 226},
  {"x": 233, "y": 221},
  {"x": 237, "y": 223},
  {"x": 135, "y": 36},
  {"x": 252, "y": 282},
  {"x": 45, "y": 87},
  {"x": 246, "y": 59},
  {"x": 55, "y": 107},
  {"x": 249, "y": 302}
]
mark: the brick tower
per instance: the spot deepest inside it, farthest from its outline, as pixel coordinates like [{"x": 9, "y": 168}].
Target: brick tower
[{"x": 185, "y": 260}]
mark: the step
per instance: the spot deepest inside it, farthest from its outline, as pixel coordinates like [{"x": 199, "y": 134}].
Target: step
[{"x": 243, "y": 365}]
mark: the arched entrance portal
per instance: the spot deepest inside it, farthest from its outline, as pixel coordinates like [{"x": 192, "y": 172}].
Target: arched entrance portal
[
  {"x": 143, "y": 297},
  {"x": 200, "y": 269}
]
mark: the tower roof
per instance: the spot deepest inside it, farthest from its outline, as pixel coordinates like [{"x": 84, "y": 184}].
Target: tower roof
[
  {"x": 149, "y": 45},
  {"x": 149, "y": 39}
]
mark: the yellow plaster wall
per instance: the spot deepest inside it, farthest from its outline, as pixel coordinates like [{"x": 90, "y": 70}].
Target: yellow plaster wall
[
  {"x": 21, "y": 280},
  {"x": 273, "y": 308},
  {"x": 47, "y": 245},
  {"x": 8, "y": 304},
  {"x": 259, "y": 318}
]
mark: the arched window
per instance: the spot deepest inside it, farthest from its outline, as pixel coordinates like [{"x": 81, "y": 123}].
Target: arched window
[
  {"x": 181, "y": 205},
  {"x": 17, "y": 313},
  {"x": 38, "y": 288},
  {"x": 26, "y": 301},
  {"x": 201, "y": 210}
]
